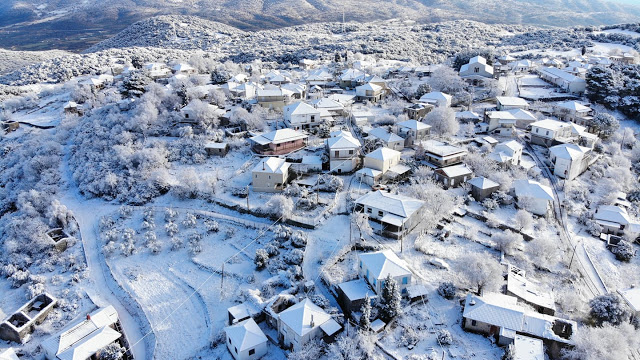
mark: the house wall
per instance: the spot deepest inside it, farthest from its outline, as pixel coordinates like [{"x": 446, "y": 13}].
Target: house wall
[
  {"x": 260, "y": 350},
  {"x": 537, "y": 206},
  {"x": 377, "y": 284},
  {"x": 452, "y": 181},
  {"x": 479, "y": 327},
  {"x": 282, "y": 148},
  {"x": 481, "y": 194},
  {"x": 380, "y": 165},
  {"x": 343, "y": 165},
  {"x": 290, "y": 338},
  {"x": 268, "y": 182},
  {"x": 395, "y": 145},
  {"x": 368, "y": 180},
  {"x": 304, "y": 121}
]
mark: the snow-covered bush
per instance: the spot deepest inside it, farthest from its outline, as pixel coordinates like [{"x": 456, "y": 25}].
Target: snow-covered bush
[
  {"x": 279, "y": 205},
  {"x": 408, "y": 337},
  {"x": 447, "y": 290},
  {"x": 171, "y": 228},
  {"x": 294, "y": 257},
  {"x": 481, "y": 271},
  {"x": 608, "y": 308},
  {"x": 112, "y": 351},
  {"x": 299, "y": 239},
  {"x": 195, "y": 243},
  {"x": 507, "y": 241},
  {"x": 189, "y": 221},
  {"x": 211, "y": 225},
  {"x": 261, "y": 259},
  {"x": 170, "y": 214},
  {"x": 490, "y": 204},
  {"x": 443, "y": 122},
  {"x": 176, "y": 243},
  {"x": 606, "y": 342},
  {"x": 444, "y": 337},
  {"x": 624, "y": 251}
]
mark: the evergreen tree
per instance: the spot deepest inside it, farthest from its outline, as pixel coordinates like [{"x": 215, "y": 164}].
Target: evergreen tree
[
  {"x": 422, "y": 90},
  {"x": 600, "y": 83},
  {"x": 365, "y": 322},
  {"x": 390, "y": 305},
  {"x": 135, "y": 84},
  {"x": 182, "y": 94},
  {"x": 219, "y": 76}
]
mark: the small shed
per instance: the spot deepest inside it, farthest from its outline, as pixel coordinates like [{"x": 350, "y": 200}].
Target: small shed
[
  {"x": 453, "y": 176},
  {"x": 216, "y": 149},
  {"x": 351, "y": 295},
  {"x": 311, "y": 163},
  {"x": 59, "y": 238},
  {"x": 378, "y": 325},
  {"x": 481, "y": 187}
]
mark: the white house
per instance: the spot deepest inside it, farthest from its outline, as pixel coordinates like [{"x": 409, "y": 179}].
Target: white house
[
  {"x": 376, "y": 266},
  {"x": 413, "y": 131},
  {"x": 437, "y": 98},
  {"x": 396, "y": 214},
  {"x": 245, "y": 340},
  {"x": 501, "y": 122},
  {"x": 301, "y": 116},
  {"x": 533, "y": 196},
  {"x": 334, "y": 107},
  {"x": 507, "y": 152},
  {"x": 270, "y": 175},
  {"x": 573, "y": 111},
  {"x": 8, "y": 354},
  {"x": 344, "y": 152},
  {"x": 85, "y": 338},
  {"x": 511, "y": 102},
  {"x": 615, "y": 220},
  {"x": 562, "y": 79},
  {"x": 441, "y": 154},
  {"x": 362, "y": 117},
  {"x": 390, "y": 140},
  {"x": 184, "y": 69},
  {"x": 351, "y": 78},
  {"x": 546, "y": 132},
  {"x": 369, "y": 92},
  {"x": 303, "y": 322},
  {"x": 476, "y": 70},
  {"x": 569, "y": 160},
  {"x": 299, "y": 91},
  {"x": 382, "y": 159}
]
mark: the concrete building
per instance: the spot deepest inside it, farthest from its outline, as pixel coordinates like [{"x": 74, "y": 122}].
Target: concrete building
[
  {"x": 396, "y": 214},
  {"x": 549, "y": 132},
  {"x": 509, "y": 152},
  {"x": 615, "y": 220},
  {"x": 270, "y": 175},
  {"x": 436, "y": 98},
  {"x": 301, "y": 116},
  {"x": 388, "y": 139},
  {"x": 453, "y": 176},
  {"x": 511, "y": 102},
  {"x": 23, "y": 322},
  {"x": 570, "y": 160},
  {"x": 245, "y": 340},
  {"x": 476, "y": 70},
  {"x": 413, "y": 132},
  {"x": 418, "y": 111},
  {"x": 441, "y": 154},
  {"x": 562, "y": 79},
  {"x": 369, "y": 92},
  {"x": 344, "y": 153},
  {"x": 375, "y": 267},
  {"x": 304, "y": 322}
]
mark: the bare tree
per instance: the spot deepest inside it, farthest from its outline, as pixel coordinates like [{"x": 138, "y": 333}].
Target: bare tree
[{"x": 481, "y": 271}]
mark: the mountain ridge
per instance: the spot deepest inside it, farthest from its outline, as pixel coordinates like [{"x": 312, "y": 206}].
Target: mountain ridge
[{"x": 78, "y": 26}]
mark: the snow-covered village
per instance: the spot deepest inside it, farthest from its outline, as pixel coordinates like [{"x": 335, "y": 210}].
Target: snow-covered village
[{"x": 380, "y": 190}]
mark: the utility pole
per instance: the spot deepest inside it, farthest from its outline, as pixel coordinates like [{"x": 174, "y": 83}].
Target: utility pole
[
  {"x": 248, "y": 209},
  {"x": 222, "y": 278},
  {"x": 343, "y": 20}
]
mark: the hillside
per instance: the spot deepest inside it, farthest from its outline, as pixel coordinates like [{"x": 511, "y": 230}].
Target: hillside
[{"x": 37, "y": 25}]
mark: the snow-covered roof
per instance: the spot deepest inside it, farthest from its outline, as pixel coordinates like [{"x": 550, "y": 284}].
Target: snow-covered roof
[
  {"x": 369, "y": 86},
  {"x": 368, "y": 172},
  {"x": 216, "y": 145},
  {"x": 312, "y": 160},
  {"x": 245, "y": 335},
  {"x": 509, "y": 147},
  {"x": 84, "y": 339},
  {"x": 299, "y": 317},
  {"x": 327, "y": 104},
  {"x": 278, "y": 136},
  {"x": 435, "y": 95},
  {"x": 569, "y": 151},
  {"x": 500, "y": 157},
  {"x": 532, "y": 189},
  {"x": 500, "y": 115},
  {"x": 528, "y": 291},
  {"x": 8, "y": 354},
  {"x": 527, "y": 348},
  {"x": 356, "y": 289},
  {"x": 441, "y": 149},
  {"x": 477, "y": 60},
  {"x": 632, "y": 297},
  {"x": 300, "y": 108},
  {"x": 511, "y": 101},
  {"x": 506, "y": 58},
  {"x": 344, "y": 99},
  {"x": 399, "y": 205},
  {"x": 414, "y": 125},
  {"x": 455, "y": 170},
  {"x": 243, "y": 311},
  {"x": 483, "y": 183},
  {"x": 270, "y": 92},
  {"x": 383, "y": 154},
  {"x": 495, "y": 309},
  {"x": 182, "y": 67},
  {"x": 614, "y": 214},
  {"x": 272, "y": 165},
  {"x": 520, "y": 114},
  {"x": 330, "y": 327},
  {"x": 362, "y": 113},
  {"x": 351, "y": 74},
  {"x": 383, "y": 263},
  {"x": 384, "y": 135},
  {"x": 467, "y": 115},
  {"x": 343, "y": 142},
  {"x": 557, "y": 73},
  {"x": 377, "y": 325},
  {"x": 574, "y": 106},
  {"x": 503, "y": 311},
  {"x": 550, "y": 124},
  {"x": 71, "y": 105}
]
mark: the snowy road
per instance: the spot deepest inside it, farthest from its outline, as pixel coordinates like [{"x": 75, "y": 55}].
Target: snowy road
[
  {"x": 592, "y": 278},
  {"x": 97, "y": 287}
]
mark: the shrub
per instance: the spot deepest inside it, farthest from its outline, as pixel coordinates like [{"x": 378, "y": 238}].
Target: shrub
[
  {"x": 294, "y": 257},
  {"x": 444, "y": 337},
  {"x": 261, "y": 258},
  {"x": 607, "y": 308},
  {"x": 447, "y": 290},
  {"x": 624, "y": 251}
]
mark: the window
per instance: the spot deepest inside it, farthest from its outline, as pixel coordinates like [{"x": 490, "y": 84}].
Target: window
[
  {"x": 252, "y": 351},
  {"x": 405, "y": 280},
  {"x": 350, "y": 152},
  {"x": 313, "y": 118},
  {"x": 236, "y": 349},
  {"x": 337, "y": 153},
  {"x": 360, "y": 264},
  {"x": 380, "y": 213},
  {"x": 256, "y": 176},
  {"x": 277, "y": 145},
  {"x": 186, "y": 116},
  {"x": 269, "y": 177},
  {"x": 229, "y": 340},
  {"x": 367, "y": 273},
  {"x": 474, "y": 323},
  {"x": 374, "y": 282},
  {"x": 477, "y": 69},
  {"x": 368, "y": 210},
  {"x": 537, "y": 130},
  {"x": 547, "y": 132}
]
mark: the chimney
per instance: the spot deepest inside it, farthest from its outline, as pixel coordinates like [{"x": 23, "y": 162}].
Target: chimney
[
  {"x": 88, "y": 317},
  {"x": 262, "y": 165},
  {"x": 312, "y": 324},
  {"x": 472, "y": 302}
]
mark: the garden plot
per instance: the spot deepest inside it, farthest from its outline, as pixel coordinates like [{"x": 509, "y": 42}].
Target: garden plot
[{"x": 175, "y": 274}]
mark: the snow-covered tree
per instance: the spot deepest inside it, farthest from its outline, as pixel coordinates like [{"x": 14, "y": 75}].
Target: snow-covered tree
[
  {"x": 604, "y": 124},
  {"x": 365, "y": 318},
  {"x": 443, "y": 122},
  {"x": 607, "y": 342},
  {"x": 261, "y": 258},
  {"x": 608, "y": 308},
  {"x": 112, "y": 351},
  {"x": 481, "y": 271},
  {"x": 507, "y": 241},
  {"x": 390, "y": 301},
  {"x": 361, "y": 221},
  {"x": 624, "y": 251},
  {"x": 279, "y": 205},
  {"x": 523, "y": 220},
  {"x": 447, "y": 290}
]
